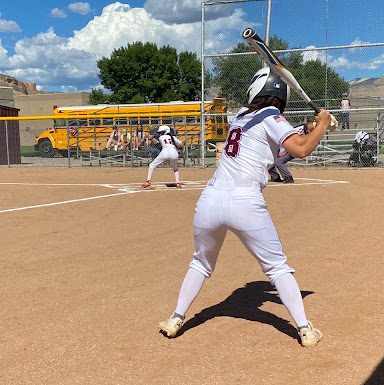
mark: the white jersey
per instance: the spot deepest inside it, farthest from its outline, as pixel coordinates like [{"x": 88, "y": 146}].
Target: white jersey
[
  {"x": 247, "y": 154},
  {"x": 166, "y": 141}
]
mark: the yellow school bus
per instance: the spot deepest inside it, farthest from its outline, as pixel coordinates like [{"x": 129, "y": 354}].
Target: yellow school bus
[{"x": 86, "y": 128}]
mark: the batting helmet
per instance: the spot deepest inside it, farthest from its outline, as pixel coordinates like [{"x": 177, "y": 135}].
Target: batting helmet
[
  {"x": 267, "y": 83},
  {"x": 164, "y": 129}
]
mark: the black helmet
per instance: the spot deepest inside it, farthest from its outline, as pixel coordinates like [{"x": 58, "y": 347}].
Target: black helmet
[{"x": 267, "y": 83}]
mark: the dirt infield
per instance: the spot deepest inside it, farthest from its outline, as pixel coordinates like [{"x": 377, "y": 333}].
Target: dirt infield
[{"x": 90, "y": 264}]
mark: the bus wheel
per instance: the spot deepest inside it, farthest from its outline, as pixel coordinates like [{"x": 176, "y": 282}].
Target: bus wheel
[
  {"x": 45, "y": 149},
  {"x": 63, "y": 153}
]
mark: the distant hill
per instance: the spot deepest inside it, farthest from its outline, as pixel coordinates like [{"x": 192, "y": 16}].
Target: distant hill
[
  {"x": 372, "y": 88},
  {"x": 18, "y": 86}
]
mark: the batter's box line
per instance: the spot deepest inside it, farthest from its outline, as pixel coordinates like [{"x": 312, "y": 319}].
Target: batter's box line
[{"x": 308, "y": 183}]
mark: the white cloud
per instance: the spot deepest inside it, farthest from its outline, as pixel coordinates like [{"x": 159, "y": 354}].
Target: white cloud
[
  {"x": 119, "y": 24},
  {"x": 357, "y": 41},
  {"x": 58, "y": 13},
  {"x": 80, "y": 7},
  {"x": 9, "y": 26},
  {"x": 344, "y": 63},
  {"x": 3, "y": 54},
  {"x": 52, "y": 61},
  {"x": 47, "y": 60},
  {"x": 182, "y": 11},
  {"x": 314, "y": 54}
]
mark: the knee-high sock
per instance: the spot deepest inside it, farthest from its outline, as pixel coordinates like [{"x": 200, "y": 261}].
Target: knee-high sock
[
  {"x": 150, "y": 171},
  {"x": 290, "y": 296},
  {"x": 189, "y": 290},
  {"x": 177, "y": 177}
]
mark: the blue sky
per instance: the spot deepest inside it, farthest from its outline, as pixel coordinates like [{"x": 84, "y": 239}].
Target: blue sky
[{"x": 56, "y": 43}]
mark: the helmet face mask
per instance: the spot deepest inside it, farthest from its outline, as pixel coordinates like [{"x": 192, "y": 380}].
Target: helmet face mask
[
  {"x": 164, "y": 130},
  {"x": 267, "y": 83}
]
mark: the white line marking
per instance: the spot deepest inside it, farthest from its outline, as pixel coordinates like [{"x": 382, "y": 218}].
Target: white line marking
[
  {"x": 133, "y": 188},
  {"x": 316, "y": 182},
  {"x": 61, "y": 202}
]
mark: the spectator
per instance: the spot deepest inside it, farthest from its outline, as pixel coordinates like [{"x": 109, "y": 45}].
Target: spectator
[
  {"x": 139, "y": 137},
  {"x": 345, "y": 105},
  {"x": 115, "y": 140},
  {"x": 154, "y": 143}
]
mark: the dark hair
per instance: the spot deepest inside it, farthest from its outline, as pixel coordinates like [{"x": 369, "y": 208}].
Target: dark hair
[{"x": 262, "y": 102}]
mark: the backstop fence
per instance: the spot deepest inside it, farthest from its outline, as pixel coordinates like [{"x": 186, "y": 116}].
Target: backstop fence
[
  {"x": 309, "y": 37},
  {"x": 358, "y": 146}
]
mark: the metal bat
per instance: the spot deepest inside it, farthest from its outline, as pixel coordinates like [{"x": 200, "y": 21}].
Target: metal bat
[{"x": 258, "y": 45}]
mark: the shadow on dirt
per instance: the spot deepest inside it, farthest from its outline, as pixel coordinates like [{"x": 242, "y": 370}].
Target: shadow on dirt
[
  {"x": 377, "y": 377},
  {"x": 244, "y": 303}
]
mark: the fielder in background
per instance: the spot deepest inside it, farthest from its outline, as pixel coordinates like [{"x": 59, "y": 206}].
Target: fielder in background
[
  {"x": 233, "y": 200},
  {"x": 169, "y": 144}
]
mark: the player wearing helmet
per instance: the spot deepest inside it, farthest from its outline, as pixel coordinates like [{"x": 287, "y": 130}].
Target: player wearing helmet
[
  {"x": 233, "y": 200},
  {"x": 169, "y": 144}
]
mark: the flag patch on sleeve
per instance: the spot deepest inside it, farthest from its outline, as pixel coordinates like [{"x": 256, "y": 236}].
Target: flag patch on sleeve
[{"x": 280, "y": 118}]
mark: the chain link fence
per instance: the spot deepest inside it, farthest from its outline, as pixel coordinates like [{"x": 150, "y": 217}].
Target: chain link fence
[
  {"x": 329, "y": 71},
  {"x": 135, "y": 152}
]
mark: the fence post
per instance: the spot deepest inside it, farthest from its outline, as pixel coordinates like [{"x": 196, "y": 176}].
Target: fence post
[
  {"x": 7, "y": 143},
  {"x": 68, "y": 147}
]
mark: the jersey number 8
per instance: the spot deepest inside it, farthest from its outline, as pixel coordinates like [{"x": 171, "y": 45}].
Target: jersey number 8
[{"x": 232, "y": 146}]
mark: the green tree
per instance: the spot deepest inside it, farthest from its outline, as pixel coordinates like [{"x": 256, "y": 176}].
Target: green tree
[
  {"x": 139, "y": 73},
  {"x": 232, "y": 74},
  {"x": 98, "y": 96}
]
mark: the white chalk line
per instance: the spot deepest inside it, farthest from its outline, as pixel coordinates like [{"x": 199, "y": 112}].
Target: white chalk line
[
  {"x": 61, "y": 202},
  {"x": 133, "y": 188}
]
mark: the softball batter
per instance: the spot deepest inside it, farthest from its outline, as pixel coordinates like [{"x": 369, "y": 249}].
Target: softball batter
[
  {"x": 169, "y": 144},
  {"x": 233, "y": 200}
]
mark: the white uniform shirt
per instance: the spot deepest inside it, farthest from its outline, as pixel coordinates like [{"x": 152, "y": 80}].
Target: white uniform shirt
[
  {"x": 247, "y": 153},
  {"x": 166, "y": 141}
]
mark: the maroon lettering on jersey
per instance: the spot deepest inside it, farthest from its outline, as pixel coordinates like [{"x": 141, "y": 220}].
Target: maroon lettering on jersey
[{"x": 232, "y": 146}]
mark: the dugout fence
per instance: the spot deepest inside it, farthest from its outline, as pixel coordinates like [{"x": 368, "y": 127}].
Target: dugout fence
[{"x": 335, "y": 149}]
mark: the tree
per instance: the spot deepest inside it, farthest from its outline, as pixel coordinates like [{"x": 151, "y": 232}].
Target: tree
[
  {"x": 232, "y": 74},
  {"x": 98, "y": 96},
  {"x": 139, "y": 73}
]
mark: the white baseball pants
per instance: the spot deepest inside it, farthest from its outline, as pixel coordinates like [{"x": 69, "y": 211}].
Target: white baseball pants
[
  {"x": 243, "y": 211},
  {"x": 167, "y": 153}
]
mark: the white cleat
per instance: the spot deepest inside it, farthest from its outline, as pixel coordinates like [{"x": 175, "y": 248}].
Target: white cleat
[
  {"x": 171, "y": 326},
  {"x": 310, "y": 336}
]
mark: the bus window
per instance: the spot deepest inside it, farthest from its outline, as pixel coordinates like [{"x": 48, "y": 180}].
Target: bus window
[
  {"x": 121, "y": 121},
  {"x": 94, "y": 122},
  {"x": 82, "y": 122},
  {"x": 167, "y": 120},
  {"x": 108, "y": 122},
  {"x": 59, "y": 122},
  {"x": 72, "y": 122},
  {"x": 155, "y": 121}
]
